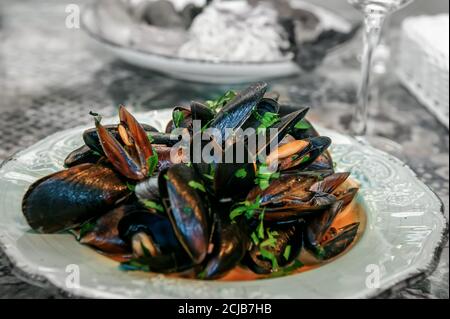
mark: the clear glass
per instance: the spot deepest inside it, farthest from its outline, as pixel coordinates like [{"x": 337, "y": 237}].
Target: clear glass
[{"x": 375, "y": 13}]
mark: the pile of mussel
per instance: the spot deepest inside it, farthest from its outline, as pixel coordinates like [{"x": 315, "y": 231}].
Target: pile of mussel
[{"x": 125, "y": 193}]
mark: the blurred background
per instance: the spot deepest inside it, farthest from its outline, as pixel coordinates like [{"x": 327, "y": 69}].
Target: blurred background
[{"x": 52, "y": 75}]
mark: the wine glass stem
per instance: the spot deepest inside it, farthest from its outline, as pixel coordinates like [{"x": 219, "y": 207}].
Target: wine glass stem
[{"x": 373, "y": 24}]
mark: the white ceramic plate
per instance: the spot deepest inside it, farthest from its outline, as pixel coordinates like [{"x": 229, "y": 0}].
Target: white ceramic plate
[
  {"x": 404, "y": 233},
  {"x": 116, "y": 42}
]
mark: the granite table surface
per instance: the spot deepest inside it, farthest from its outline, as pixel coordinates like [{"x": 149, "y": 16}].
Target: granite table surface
[{"x": 51, "y": 77}]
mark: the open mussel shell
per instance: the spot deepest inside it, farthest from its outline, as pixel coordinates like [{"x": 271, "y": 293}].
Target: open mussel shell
[
  {"x": 322, "y": 239},
  {"x": 201, "y": 112},
  {"x": 296, "y": 196},
  {"x": 153, "y": 240},
  {"x": 286, "y": 249},
  {"x": 82, "y": 155},
  {"x": 183, "y": 116},
  {"x": 68, "y": 198},
  {"x": 309, "y": 131},
  {"x": 264, "y": 106},
  {"x": 340, "y": 241},
  {"x": 92, "y": 140},
  {"x": 186, "y": 203},
  {"x": 103, "y": 233},
  {"x": 239, "y": 110},
  {"x": 319, "y": 224},
  {"x": 230, "y": 244},
  {"x": 308, "y": 155},
  {"x": 281, "y": 129}
]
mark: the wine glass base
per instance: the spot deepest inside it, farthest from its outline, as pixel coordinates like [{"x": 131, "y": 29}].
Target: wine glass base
[{"x": 384, "y": 144}]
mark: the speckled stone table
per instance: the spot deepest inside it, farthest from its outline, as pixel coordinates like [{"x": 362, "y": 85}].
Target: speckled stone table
[{"x": 51, "y": 77}]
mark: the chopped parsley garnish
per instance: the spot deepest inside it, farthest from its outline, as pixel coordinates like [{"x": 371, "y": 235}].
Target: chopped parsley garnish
[
  {"x": 260, "y": 228},
  {"x": 241, "y": 173},
  {"x": 267, "y": 120},
  {"x": 135, "y": 265},
  {"x": 255, "y": 238},
  {"x": 264, "y": 175},
  {"x": 177, "y": 117},
  {"x": 220, "y": 102},
  {"x": 287, "y": 252},
  {"x": 305, "y": 159},
  {"x": 270, "y": 256},
  {"x": 288, "y": 270},
  {"x": 246, "y": 208},
  {"x": 303, "y": 125},
  {"x": 197, "y": 185},
  {"x": 86, "y": 228},
  {"x": 131, "y": 187},
  {"x": 153, "y": 205},
  {"x": 152, "y": 163}
]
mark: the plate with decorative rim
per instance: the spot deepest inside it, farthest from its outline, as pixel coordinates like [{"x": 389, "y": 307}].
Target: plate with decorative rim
[
  {"x": 118, "y": 39},
  {"x": 404, "y": 235}
]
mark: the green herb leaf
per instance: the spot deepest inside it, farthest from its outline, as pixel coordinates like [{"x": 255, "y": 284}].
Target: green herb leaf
[
  {"x": 197, "y": 185},
  {"x": 220, "y": 102},
  {"x": 287, "y": 252},
  {"x": 254, "y": 238},
  {"x": 210, "y": 177},
  {"x": 241, "y": 173},
  {"x": 305, "y": 159},
  {"x": 264, "y": 176},
  {"x": 260, "y": 228},
  {"x": 86, "y": 228},
  {"x": 269, "y": 242},
  {"x": 246, "y": 208},
  {"x": 153, "y": 205},
  {"x": 267, "y": 120},
  {"x": 303, "y": 125},
  {"x": 287, "y": 270},
  {"x": 152, "y": 163},
  {"x": 135, "y": 265},
  {"x": 131, "y": 187},
  {"x": 150, "y": 138},
  {"x": 270, "y": 256},
  {"x": 177, "y": 117}
]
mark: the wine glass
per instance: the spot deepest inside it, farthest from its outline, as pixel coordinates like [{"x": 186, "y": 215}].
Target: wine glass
[{"x": 375, "y": 13}]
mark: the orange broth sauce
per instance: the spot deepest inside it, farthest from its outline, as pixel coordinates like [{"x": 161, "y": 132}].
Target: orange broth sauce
[{"x": 353, "y": 213}]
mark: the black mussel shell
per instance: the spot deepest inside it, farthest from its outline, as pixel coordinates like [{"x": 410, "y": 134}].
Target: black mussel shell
[
  {"x": 166, "y": 254},
  {"x": 68, "y": 198},
  {"x": 201, "y": 112},
  {"x": 185, "y": 121},
  {"x": 103, "y": 233},
  {"x": 186, "y": 203},
  {"x": 239, "y": 110},
  {"x": 230, "y": 244},
  {"x": 283, "y": 127},
  {"x": 306, "y": 157},
  {"x": 234, "y": 177},
  {"x": 92, "y": 140},
  {"x": 82, "y": 155},
  {"x": 266, "y": 105}
]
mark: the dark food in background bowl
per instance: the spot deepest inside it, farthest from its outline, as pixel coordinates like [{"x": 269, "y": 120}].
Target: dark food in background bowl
[{"x": 157, "y": 213}]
